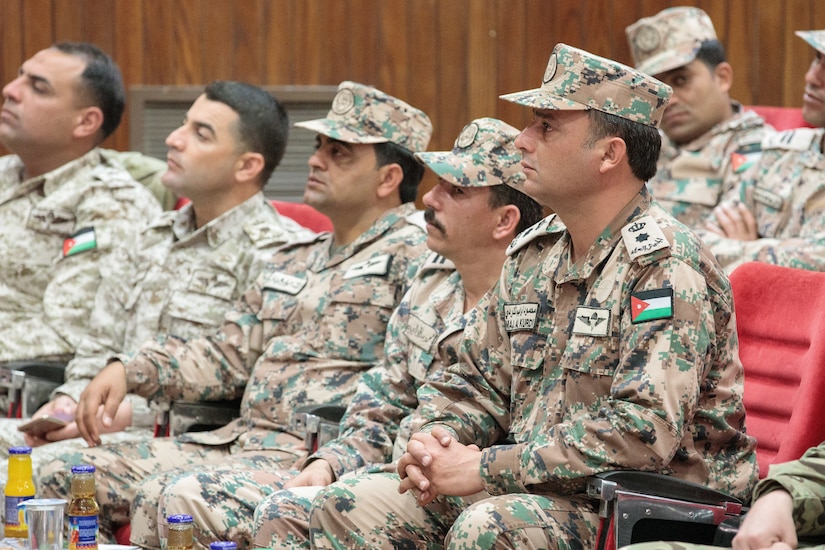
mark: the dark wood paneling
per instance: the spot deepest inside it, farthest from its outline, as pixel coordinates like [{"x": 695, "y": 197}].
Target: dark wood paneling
[{"x": 452, "y": 58}]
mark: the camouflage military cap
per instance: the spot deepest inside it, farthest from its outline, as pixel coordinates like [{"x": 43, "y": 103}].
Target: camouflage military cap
[
  {"x": 670, "y": 39},
  {"x": 483, "y": 155},
  {"x": 363, "y": 114},
  {"x": 815, "y": 38},
  {"x": 577, "y": 80}
]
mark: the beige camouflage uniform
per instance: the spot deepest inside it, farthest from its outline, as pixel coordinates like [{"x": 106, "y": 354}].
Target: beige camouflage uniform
[
  {"x": 693, "y": 178},
  {"x": 302, "y": 334},
  {"x": 422, "y": 338},
  {"x": 103, "y": 207},
  {"x": 180, "y": 280},
  {"x": 563, "y": 373}
]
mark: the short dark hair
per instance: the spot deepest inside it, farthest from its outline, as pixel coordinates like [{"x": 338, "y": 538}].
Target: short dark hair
[
  {"x": 101, "y": 83},
  {"x": 263, "y": 121},
  {"x": 392, "y": 153},
  {"x": 711, "y": 53},
  {"x": 531, "y": 211},
  {"x": 643, "y": 142}
]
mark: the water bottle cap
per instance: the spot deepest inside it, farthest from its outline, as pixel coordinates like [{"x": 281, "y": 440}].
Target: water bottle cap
[
  {"x": 222, "y": 545},
  {"x": 83, "y": 469},
  {"x": 179, "y": 518},
  {"x": 20, "y": 450}
]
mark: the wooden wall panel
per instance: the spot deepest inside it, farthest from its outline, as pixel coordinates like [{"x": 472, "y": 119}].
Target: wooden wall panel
[{"x": 453, "y": 58}]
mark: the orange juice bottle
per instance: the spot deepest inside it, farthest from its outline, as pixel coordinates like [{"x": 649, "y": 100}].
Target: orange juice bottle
[{"x": 19, "y": 487}]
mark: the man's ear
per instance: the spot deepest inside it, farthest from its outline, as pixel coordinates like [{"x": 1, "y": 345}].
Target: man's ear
[
  {"x": 615, "y": 149},
  {"x": 249, "y": 166},
  {"x": 509, "y": 217},
  {"x": 88, "y": 122},
  {"x": 390, "y": 177},
  {"x": 724, "y": 75}
]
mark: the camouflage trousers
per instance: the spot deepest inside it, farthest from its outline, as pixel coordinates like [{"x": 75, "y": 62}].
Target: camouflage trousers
[
  {"x": 367, "y": 511},
  {"x": 10, "y": 436},
  {"x": 130, "y": 478}
]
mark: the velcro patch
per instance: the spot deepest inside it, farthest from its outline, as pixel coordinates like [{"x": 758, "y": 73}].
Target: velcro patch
[
  {"x": 591, "y": 321},
  {"x": 643, "y": 237},
  {"x": 377, "y": 265},
  {"x": 519, "y": 317}
]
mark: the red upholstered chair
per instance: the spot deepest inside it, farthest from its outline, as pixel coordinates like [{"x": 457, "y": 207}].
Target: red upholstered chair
[
  {"x": 780, "y": 319},
  {"x": 781, "y": 118}
]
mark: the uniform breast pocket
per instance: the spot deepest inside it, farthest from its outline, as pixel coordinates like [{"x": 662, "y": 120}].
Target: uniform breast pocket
[
  {"x": 588, "y": 365},
  {"x": 530, "y": 359},
  {"x": 202, "y": 305},
  {"x": 356, "y": 319}
]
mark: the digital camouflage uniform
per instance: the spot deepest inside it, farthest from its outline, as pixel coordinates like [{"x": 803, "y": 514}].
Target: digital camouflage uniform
[
  {"x": 422, "y": 338},
  {"x": 312, "y": 322},
  {"x": 58, "y": 231},
  {"x": 785, "y": 191},
  {"x": 180, "y": 280},
  {"x": 625, "y": 359},
  {"x": 693, "y": 178}
]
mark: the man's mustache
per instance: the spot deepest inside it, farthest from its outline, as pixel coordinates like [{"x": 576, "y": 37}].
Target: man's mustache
[{"x": 429, "y": 217}]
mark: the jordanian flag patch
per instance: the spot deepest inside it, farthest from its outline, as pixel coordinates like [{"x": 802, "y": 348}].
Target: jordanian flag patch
[
  {"x": 81, "y": 241},
  {"x": 651, "y": 305}
]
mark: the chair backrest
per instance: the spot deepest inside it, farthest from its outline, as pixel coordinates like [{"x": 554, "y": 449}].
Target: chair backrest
[
  {"x": 781, "y": 118},
  {"x": 780, "y": 318}
]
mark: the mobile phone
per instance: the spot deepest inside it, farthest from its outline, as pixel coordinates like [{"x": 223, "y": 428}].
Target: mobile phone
[{"x": 43, "y": 424}]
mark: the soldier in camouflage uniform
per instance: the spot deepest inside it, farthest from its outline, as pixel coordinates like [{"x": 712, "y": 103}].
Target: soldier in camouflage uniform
[
  {"x": 313, "y": 320},
  {"x": 708, "y": 140},
  {"x": 781, "y": 216},
  {"x": 474, "y": 212},
  {"x": 65, "y": 208},
  {"x": 190, "y": 265},
  {"x": 609, "y": 343}
]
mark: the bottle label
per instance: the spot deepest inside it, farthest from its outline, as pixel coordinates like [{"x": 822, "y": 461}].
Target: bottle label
[
  {"x": 14, "y": 517},
  {"x": 83, "y": 532}
]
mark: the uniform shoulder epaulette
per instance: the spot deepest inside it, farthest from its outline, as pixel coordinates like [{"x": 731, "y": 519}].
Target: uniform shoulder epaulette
[
  {"x": 265, "y": 233},
  {"x": 417, "y": 218},
  {"x": 798, "y": 139},
  {"x": 530, "y": 234},
  {"x": 643, "y": 237},
  {"x": 434, "y": 262}
]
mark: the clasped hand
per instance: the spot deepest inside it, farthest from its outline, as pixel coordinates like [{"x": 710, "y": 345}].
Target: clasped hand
[{"x": 436, "y": 464}]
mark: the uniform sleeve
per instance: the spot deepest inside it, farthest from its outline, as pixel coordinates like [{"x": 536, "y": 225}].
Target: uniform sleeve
[
  {"x": 800, "y": 252},
  {"x": 116, "y": 213},
  {"x": 804, "y": 479},
  {"x": 106, "y": 327},
  {"x": 212, "y": 367},
  {"x": 386, "y": 393}
]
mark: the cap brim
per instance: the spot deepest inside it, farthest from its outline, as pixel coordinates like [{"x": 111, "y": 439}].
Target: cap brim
[
  {"x": 540, "y": 99},
  {"x": 342, "y": 132},
  {"x": 808, "y": 36},
  {"x": 446, "y": 165}
]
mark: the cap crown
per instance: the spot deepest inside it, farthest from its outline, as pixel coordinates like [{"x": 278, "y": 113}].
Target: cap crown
[
  {"x": 576, "y": 80},
  {"x": 363, "y": 114},
  {"x": 484, "y": 155},
  {"x": 816, "y": 39},
  {"x": 669, "y": 39}
]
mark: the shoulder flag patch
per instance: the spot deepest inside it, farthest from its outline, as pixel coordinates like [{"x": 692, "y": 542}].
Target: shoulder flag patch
[
  {"x": 650, "y": 305},
  {"x": 81, "y": 241}
]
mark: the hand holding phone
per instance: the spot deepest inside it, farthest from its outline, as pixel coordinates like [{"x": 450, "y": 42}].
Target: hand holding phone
[{"x": 43, "y": 424}]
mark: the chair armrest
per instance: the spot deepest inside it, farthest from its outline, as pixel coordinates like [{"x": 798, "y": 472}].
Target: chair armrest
[
  {"x": 318, "y": 424},
  {"x": 658, "y": 485}
]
